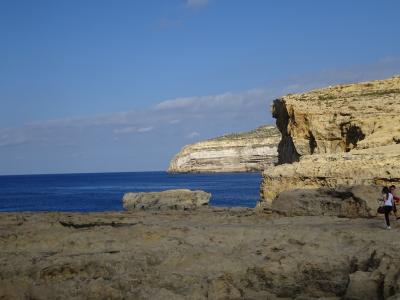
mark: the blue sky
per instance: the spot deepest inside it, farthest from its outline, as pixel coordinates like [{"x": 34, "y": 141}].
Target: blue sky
[{"x": 97, "y": 86}]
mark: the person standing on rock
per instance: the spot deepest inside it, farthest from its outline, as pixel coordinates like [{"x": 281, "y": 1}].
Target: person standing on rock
[
  {"x": 396, "y": 200},
  {"x": 387, "y": 204}
]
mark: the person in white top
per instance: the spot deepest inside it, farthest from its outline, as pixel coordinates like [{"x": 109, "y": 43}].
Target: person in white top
[{"x": 387, "y": 204}]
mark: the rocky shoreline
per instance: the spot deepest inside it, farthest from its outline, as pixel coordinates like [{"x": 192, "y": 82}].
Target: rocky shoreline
[
  {"x": 315, "y": 233},
  {"x": 213, "y": 253}
]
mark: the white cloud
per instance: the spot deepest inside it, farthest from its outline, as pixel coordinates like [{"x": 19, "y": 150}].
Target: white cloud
[
  {"x": 18, "y": 136},
  {"x": 205, "y": 111},
  {"x": 129, "y": 130},
  {"x": 13, "y": 141},
  {"x": 175, "y": 103},
  {"x": 228, "y": 101},
  {"x": 210, "y": 115},
  {"x": 48, "y": 145},
  {"x": 196, "y": 3},
  {"x": 193, "y": 135},
  {"x": 145, "y": 129},
  {"x": 125, "y": 130}
]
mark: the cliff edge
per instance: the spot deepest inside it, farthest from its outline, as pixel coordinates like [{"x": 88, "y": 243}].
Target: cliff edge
[
  {"x": 341, "y": 135},
  {"x": 239, "y": 152}
]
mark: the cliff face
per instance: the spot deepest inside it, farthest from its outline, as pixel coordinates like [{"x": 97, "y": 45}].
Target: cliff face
[
  {"x": 341, "y": 135},
  {"x": 339, "y": 119},
  {"x": 244, "y": 152},
  {"x": 377, "y": 166}
]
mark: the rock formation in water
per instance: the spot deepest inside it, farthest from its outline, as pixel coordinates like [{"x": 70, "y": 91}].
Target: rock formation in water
[
  {"x": 243, "y": 152},
  {"x": 342, "y": 135},
  {"x": 181, "y": 199},
  {"x": 202, "y": 254}
]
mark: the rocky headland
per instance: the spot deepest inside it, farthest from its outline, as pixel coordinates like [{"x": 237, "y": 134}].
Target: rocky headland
[
  {"x": 239, "y": 152},
  {"x": 342, "y": 135}
]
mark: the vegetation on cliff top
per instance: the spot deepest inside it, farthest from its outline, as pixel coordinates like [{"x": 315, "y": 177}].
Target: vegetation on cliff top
[
  {"x": 260, "y": 132},
  {"x": 375, "y": 88}
]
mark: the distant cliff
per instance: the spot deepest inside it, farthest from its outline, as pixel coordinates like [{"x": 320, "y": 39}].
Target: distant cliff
[{"x": 237, "y": 152}]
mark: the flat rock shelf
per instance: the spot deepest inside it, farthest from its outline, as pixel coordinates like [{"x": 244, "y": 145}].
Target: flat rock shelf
[{"x": 205, "y": 254}]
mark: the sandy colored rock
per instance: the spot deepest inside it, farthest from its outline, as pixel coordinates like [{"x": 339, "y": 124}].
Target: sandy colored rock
[
  {"x": 351, "y": 202},
  {"x": 243, "y": 152},
  {"x": 180, "y": 199},
  {"x": 202, "y": 254},
  {"x": 341, "y": 135},
  {"x": 339, "y": 118},
  {"x": 376, "y": 166},
  {"x": 364, "y": 286}
]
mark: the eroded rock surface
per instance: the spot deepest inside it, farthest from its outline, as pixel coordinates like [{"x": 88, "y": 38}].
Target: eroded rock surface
[
  {"x": 339, "y": 118},
  {"x": 351, "y": 202},
  {"x": 203, "y": 254},
  {"x": 341, "y": 135},
  {"x": 180, "y": 199},
  {"x": 244, "y": 152},
  {"x": 375, "y": 166}
]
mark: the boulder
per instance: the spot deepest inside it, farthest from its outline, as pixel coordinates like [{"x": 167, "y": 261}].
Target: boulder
[
  {"x": 351, "y": 202},
  {"x": 364, "y": 286},
  {"x": 180, "y": 199}
]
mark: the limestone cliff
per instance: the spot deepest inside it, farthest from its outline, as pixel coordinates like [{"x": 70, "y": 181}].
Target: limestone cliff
[
  {"x": 243, "y": 152},
  {"x": 341, "y": 135},
  {"x": 339, "y": 118},
  {"x": 375, "y": 166}
]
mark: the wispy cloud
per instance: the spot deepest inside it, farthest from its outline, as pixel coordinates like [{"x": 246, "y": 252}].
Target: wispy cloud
[
  {"x": 145, "y": 129},
  {"x": 175, "y": 103},
  {"x": 125, "y": 130},
  {"x": 129, "y": 130},
  {"x": 15, "y": 140},
  {"x": 201, "y": 103},
  {"x": 172, "y": 121},
  {"x": 20, "y": 136},
  {"x": 193, "y": 135},
  {"x": 173, "y": 115},
  {"x": 197, "y": 112}
]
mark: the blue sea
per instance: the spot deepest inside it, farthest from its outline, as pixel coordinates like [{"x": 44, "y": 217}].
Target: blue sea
[{"x": 104, "y": 191}]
